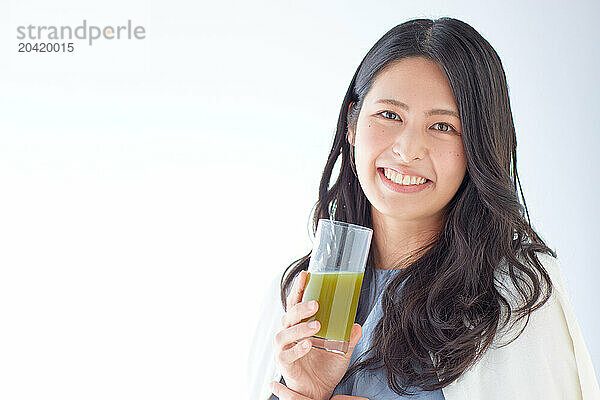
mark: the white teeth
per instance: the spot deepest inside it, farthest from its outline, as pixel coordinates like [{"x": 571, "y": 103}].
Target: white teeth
[{"x": 402, "y": 179}]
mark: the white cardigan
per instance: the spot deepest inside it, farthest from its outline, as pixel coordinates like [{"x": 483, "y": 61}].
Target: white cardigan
[{"x": 548, "y": 361}]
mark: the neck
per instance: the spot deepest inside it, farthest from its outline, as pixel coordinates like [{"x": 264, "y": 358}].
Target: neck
[{"x": 396, "y": 239}]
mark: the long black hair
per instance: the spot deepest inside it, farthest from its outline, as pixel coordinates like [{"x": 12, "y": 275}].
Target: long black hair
[{"x": 449, "y": 309}]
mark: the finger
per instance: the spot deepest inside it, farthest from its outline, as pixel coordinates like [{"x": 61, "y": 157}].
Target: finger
[
  {"x": 295, "y": 352},
  {"x": 295, "y": 295},
  {"x": 285, "y": 393},
  {"x": 297, "y": 313},
  {"x": 296, "y": 332}
]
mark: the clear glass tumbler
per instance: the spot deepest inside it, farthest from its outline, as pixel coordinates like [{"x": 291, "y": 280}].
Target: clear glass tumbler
[{"x": 335, "y": 274}]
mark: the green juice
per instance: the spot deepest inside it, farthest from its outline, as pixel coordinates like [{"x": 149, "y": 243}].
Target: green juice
[{"x": 337, "y": 294}]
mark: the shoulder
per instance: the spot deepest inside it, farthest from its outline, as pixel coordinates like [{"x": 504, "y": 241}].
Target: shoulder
[
  {"x": 261, "y": 366},
  {"x": 512, "y": 287},
  {"x": 548, "y": 317},
  {"x": 541, "y": 362},
  {"x": 271, "y": 303}
]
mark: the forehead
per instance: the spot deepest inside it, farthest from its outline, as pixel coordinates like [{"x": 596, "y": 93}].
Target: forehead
[{"x": 415, "y": 79}]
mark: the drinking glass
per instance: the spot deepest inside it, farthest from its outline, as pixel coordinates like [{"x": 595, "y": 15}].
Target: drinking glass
[{"x": 335, "y": 274}]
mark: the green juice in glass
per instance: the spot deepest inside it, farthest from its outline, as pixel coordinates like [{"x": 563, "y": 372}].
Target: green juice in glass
[{"x": 337, "y": 293}]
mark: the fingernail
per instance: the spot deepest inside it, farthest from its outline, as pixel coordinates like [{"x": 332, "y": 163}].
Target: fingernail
[{"x": 313, "y": 324}]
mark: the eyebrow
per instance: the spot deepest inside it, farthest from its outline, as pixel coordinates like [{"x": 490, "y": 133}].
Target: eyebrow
[{"x": 435, "y": 111}]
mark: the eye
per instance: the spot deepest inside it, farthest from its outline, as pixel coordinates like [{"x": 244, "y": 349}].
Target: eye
[
  {"x": 445, "y": 127},
  {"x": 390, "y": 113}
]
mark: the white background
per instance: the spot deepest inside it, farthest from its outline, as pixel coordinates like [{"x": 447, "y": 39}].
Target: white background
[{"x": 151, "y": 189}]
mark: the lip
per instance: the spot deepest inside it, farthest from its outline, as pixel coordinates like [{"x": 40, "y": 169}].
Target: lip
[{"x": 402, "y": 188}]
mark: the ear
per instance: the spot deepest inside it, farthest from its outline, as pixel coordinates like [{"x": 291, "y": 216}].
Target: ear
[{"x": 350, "y": 135}]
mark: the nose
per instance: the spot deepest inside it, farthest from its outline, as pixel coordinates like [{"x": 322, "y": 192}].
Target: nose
[{"x": 409, "y": 144}]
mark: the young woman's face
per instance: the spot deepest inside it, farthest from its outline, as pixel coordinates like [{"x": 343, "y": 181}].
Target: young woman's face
[{"x": 419, "y": 131}]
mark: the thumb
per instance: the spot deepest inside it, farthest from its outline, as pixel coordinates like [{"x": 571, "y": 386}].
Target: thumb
[{"x": 355, "y": 336}]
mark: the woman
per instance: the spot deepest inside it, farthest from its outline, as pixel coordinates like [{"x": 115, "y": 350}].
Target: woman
[{"x": 461, "y": 298}]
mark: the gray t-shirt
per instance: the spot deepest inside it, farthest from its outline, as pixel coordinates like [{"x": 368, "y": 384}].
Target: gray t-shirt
[{"x": 373, "y": 384}]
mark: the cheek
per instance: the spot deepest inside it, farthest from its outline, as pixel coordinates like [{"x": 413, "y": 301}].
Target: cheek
[
  {"x": 451, "y": 164},
  {"x": 459, "y": 159},
  {"x": 371, "y": 141}
]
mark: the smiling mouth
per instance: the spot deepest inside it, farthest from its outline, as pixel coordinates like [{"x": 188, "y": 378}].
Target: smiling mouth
[
  {"x": 382, "y": 172},
  {"x": 401, "y": 188}
]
